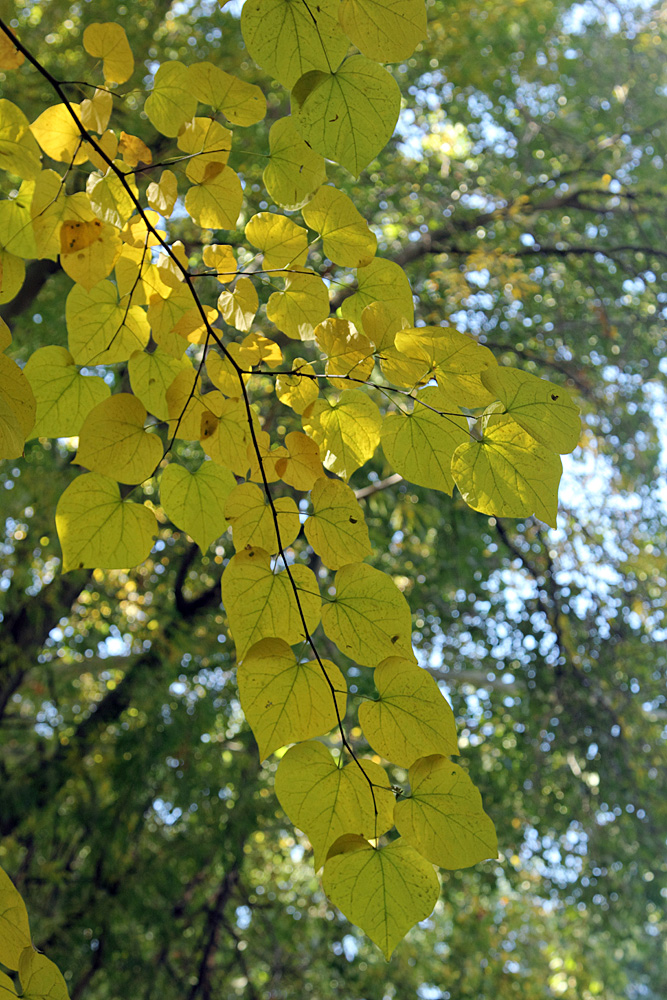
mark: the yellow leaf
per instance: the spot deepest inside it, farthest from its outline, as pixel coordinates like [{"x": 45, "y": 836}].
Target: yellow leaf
[
  {"x": 208, "y": 143},
  {"x": 109, "y": 198},
  {"x": 195, "y": 501},
  {"x": 303, "y": 465},
  {"x": 112, "y": 440},
  {"x": 347, "y": 115},
  {"x": 171, "y": 103},
  {"x": 99, "y": 530},
  {"x": 252, "y": 522},
  {"x": 336, "y": 529},
  {"x": 256, "y": 350},
  {"x": 102, "y": 331},
  {"x": 507, "y": 473},
  {"x": 327, "y": 801},
  {"x": 41, "y": 979},
  {"x": 223, "y": 374},
  {"x": 386, "y": 30},
  {"x": 347, "y": 431},
  {"x": 216, "y": 203},
  {"x": 227, "y": 438},
  {"x": 58, "y": 134},
  {"x": 5, "y": 335},
  {"x": 10, "y": 57},
  {"x": 289, "y": 39},
  {"x": 12, "y": 274},
  {"x": 63, "y": 396},
  {"x": 269, "y": 456},
  {"x": 452, "y": 358},
  {"x": 298, "y": 391},
  {"x": 262, "y": 604},
  {"x": 303, "y": 304},
  {"x": 283, "y": 243},
  {"x": 543, "y": 409},
  {"x": 411, "y": 718},
  {"x": 51, "y": 208},
  {"x": 14, "y": 927},
  {"x": 238, "y": 307},
  {"x": 443, "y": 817},
  {"x": 162, "y": 194},
  {"x": 19, "y": 152},
  {"x": 381, "y": 325},
  {"x": 381, "y": 281},
  {"x": 241, "y": 103},
  {"x": 187, "y": 407},
  {"x": 17, "y": 408},
  {"x": 88, "y": 264},
  {"x": 16, "y": 232},
  {"x": 150, "y": 377},
  {"x": 294, "y": 170},
  {"x": 286, "y": 701},
  {"x": 419, "y": 445},
  {"x": 368, "y": 619},
  {"x": 222, "y": 260},
  {"x": 108, "y": 41},
  {"x": 347, "y": 351},
  {"x": 383, "y": 890},
  {"x": 137, "y": 234},
  {"x": 346, "y": 237},
  {"x": 108, "y": 144},
  {"x": 96, "y": 111},
  {"x": 134, "y": 150}
]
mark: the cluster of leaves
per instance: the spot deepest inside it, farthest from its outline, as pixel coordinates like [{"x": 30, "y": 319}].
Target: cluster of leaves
[
  {"x": 24, "y": 971},
  {"x": 443, "y": 411}
]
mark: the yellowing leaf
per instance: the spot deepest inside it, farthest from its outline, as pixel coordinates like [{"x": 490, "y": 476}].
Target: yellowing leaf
[
  {"x": 294, "y": 170},
  {"x": 101, "y": 330},
  {"x": 134, "y": 150},
  {"x": 301, "y": 306},
  {"x": 51, "y": 207},
  {"x": 286, "y": 701},
  {"x": 14, "y": 927},
  {"x": 336, "y": 529},
  {"x": 383, "y": 890},
  {"x": 113, "y": 441},
  {"x": 411, "y": 718},
  {"x": 63, "y": 396},
  {"x": 108, "y": 42},
  {"x": 17, "y": 408},
  {"x": 209, "y": 144},
  {"x": 543, "y": 409},
  {"x": 240, "y": 102},
  {"x": 223, "y": 374},
  {"x": 269, "y": 455},
  {"x": 443, "y": 817},
  {"x": 16, "y": 229},
  {"x": 216, "y": 203},
  {"x": 107, "y": 144},
  {"x": 283, "y": 243},
  {"x": 302, "y": 466},
  {"x": 88, "y": 264},
  {"x": 10, "y": 57},
  {"x": 58, "y": 134},
  {"x": 226, "y": 439},
  {"x": 256, "y": 350},
  {"x": 171, "y": 103},
  {"x": 195, "y": 501},
  {"x": 327, "y": 801},
  {"x": 162, "y": 194},
  {"x": 12, "y": 274},
  {"x": 252, "y": 522},
  {"x": 508, "y": 473},
  {"x": 109, "y": 198},
  {"x": 386, "y": 30},
  {"x": 40, "y": 978},
  {"x": 238, "y": 307},
  {"x": 452, "y": 358},
  {"x": 368, "y": 619},
  {"x": 347, "y": 115},
  {"x": 99, "y": 530},
  {"x": 96, "y": 111},
  {"x": 5, "y": 335},
  {"x": 289, "y": 39},
  {"x": 262, "y": 604},
  {"x": 347, "y": 431},
  {"x": 381, "y": 281},
  {"x": 346, "y": 237},
  {"x": 419, "y": 445},
  {"x": 347, "y": 351},
  {"x": 187, "y": 407},
  {"x": 150, "y": 377},
  {"x": 222, "y": 259},
  {"x": 298, "y": 391},
  {"x": 19, "y": 152}
]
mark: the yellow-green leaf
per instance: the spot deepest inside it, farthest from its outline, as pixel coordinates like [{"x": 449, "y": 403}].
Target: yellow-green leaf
[
  {"x": 302, "y": 466},
  {"x": 96, "y": 111},
  {"x": 327, "y": 801},
  {"x": 109, "y": 197},
  {"x": 347, "y": 351},
  {"x": 443, "y": 817},
  {"x": 452, "y": 358},
  {"x": 286, "y": 701},
  {"x": 384, "y": 890},
  {"x": 14, "y": 926},
  {"x": 58, "y": 134},
  {"x": 17, "y": 408},
  {"x": 411, "y": 718},
  {"x": 99, "y": 530},
  {"x": 109, "y": 42},
  {"x": 113, "y": 441},
  {"x": 543, "y": 409},
  {"x": 301, "y": 306},
  {"x": 251, "y": 519},
  {"x": 347, "y": 431},
  {"x": 150, "y": 377},
  {"x": 346, "y": 237},
  {"x": 386, "y": 30},
  {"x": 208, "y": 143},
  {"x": 63, "y": 396},
  {"x": 102, "y": 331},
  {"x": 171, "y": 103},
  {"x": 297, "y": 391},
  {"x": 216, "y": 203},
  {"x": 88, "y": 251},
  {"x": 336, "y": 529},
  {"x": 368, "y": 619},
  {"x": 381, "y": 281},
  {"x": 19, "y": 152},
  {"x": 240, "y": 102},
  {"x": 238, "y": 307},
  {"x": 283, "y": 243},
  {"x": 195, "y": 501},
  {"x": 40, "y": 978},
  {"x": 162, "y": 194},
  {"x": 294, "y": 170},
  {"x": 225, "y": 435},
  {"x": 288, "y": 39},
  {"x": 420, "y": 444},
  {"x": 508, "y": 473},
  {"x": 261, "y": 603},
  {"x": 347, "y": 115},
  {"x": 12, "y": 274}
]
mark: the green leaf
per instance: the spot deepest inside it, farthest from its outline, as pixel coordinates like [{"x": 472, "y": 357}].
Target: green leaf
[
  {"x": 286, "y": 701},
  {"x": 240, "y": 102},
  {"x": 347, "y": 431},
  {"x": 301, "y": 306},
  {"x": 507, "y": 473},
  {"x": 283, "y": 243},
  {"x": 346, "y": 236},
  {"x": 102, "y": 331},
  {"x": 348, "y": 115},
  {"x": 150, "y": 377},
  {"x": 171, "y": 103},
  {"x": 336, "y": 529},
  {"x": 99, "y": 530},
  {"x": 543, "y": 409},
  {"x": 113, "y": 441},
  {"x": 40, "y": 978},
  {"x": 386, "y": 30},
  {"x": 195, "y": 501},
  {"x": 294, "y": 170},
  {"x": 63, "y": 396},
  {"x": 383, "y": 890},
  {"x": 19, "y": 152},
  {"x": 326, "y": 800},
  {"x": 369, "y": 619},
  {"x": 444, "y": 818},
  {"x": 381, "y": 281},
  {"x": 452, "y": 358},
  {"x": 14, "y": 926},
  {"x": 216, "y": 203},
  {"x": 288, "y": 38},
  {"x": 262, "y": 604},
  {"x": 411, "y": 718},
  {"x": 419, "y": 445},
  {"x": 251, "y": 519}
]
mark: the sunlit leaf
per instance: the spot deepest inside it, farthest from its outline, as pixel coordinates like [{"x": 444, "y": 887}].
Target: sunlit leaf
[
  {"x": 63, "y": 396},
  {"x": 303, "y": 304},
  {"x": 171, "y": 103},
  {"x": 282, "y": 242},
  {"x": 14, "y": 927},
  {"x": 195, "y": 501},
  {"x": 240, "y": 102},
  {"x": 381, "y": 281},
  {"x": 109, "y": 42},
  {"x": 346, "y": 237},
  {"x": 101, "y": 330},
  {"x": 336, "y": 529},
  {"x": 294, "y": 170},
  {"x": 347, "y": 431},
  {"x": 543, "y": 409},
  {"x": 113, "y": 441},
  {"x": 386, "y": 30},
  {"x": 252, "y": 519}
]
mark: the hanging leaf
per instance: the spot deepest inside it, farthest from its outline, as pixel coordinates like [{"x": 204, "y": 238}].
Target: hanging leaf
[
  {"x": 303, "y": 304},
  {"x": 381, "y": 281},
  {"x": 283, "y": 243},
  {"x": 171, "y": 103},
  {"x": 63, "y": 396},
  {"x": 336, "y": 529},
  {"x": 346, "y": 236},
  {"x": 543, "y": 409},
  {"x": 240, "y": 102},
  {"x": 195, "y": 501},
  {"x": 347, "y": 431},
  {"x": 109, "y": 42},
  {"x": 386, "y": 30},
  {"x": 294, "y": 170},
  {"x": 14, "y": 926},
  {"x": 252, "y": 522}
]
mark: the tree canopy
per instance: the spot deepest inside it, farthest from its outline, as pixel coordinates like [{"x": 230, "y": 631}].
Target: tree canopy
[{"x": 317, "y": 319}]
